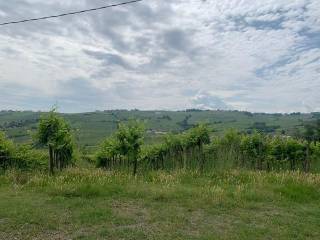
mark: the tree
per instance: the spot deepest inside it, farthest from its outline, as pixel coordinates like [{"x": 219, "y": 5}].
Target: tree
[
  {"x": 254, "y": 147},
  {"x": 174, "y": 146},
  {"x": 153, "y": 155},
  {"x": 130, "y": 139},
  {"x": 55, "y": 133},
  {"x": 108, "y": 152},
  {"x": 193, "y": 141}
]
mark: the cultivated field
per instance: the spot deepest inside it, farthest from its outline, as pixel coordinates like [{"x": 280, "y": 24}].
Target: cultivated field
[{"x": 92, "y": 128}]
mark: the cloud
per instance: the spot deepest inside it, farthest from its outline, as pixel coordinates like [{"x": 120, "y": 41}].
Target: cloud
[
  {"x": 230, "y": 54},
  {"x": 176, "y": 39},
  {"x": 208, "y": 101},
  {"x": 108, "y": 58}
]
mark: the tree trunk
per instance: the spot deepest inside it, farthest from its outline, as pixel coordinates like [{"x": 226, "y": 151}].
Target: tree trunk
[
  {"x": 60, "y": 162},
  {"x": 135, "y": 164},
  {"x": 185, "y": 159},
  {"x": 307, "y": 160},
  {"x": 51, "y": 160},
  {"x": 202, "y": 158}
]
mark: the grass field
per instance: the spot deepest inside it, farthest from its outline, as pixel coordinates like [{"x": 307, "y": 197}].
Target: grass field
[{"x": 94, "y": 204}]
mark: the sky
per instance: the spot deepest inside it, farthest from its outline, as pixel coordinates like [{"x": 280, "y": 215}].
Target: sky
[{"x": 259, "y": 56}]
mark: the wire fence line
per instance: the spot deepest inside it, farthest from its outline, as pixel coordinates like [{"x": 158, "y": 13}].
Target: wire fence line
[{"x": 69, "y": 13}]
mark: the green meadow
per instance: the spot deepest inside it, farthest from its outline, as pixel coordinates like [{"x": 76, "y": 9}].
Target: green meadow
[{"x": 80, "y": 203}]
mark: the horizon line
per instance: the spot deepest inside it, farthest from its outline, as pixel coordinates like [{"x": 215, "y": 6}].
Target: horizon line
[{"x": 163, "y": 110}]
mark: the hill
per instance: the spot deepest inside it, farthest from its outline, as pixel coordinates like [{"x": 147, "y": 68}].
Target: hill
[{"x": 90, "y": 128}]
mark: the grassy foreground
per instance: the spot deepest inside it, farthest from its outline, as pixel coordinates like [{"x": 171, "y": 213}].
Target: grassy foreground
[{"x": 93, "y": 204}]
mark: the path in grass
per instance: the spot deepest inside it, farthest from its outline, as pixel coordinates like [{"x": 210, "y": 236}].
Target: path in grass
[{"x": 92, "y": 204}]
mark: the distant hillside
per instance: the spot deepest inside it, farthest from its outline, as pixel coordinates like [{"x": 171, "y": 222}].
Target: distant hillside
[{"x": 91, "y": 128}]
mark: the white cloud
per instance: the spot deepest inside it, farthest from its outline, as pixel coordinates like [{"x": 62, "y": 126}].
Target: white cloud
[
  {"x": 2, "y": 14},
  {"x": 249, "y": 55}
]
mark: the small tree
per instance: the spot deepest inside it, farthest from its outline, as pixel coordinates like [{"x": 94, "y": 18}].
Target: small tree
[
  {"x": 174, "y": 145},
  {"x": 108, "y": 152},
  {"x": 130, "y": 139},
  {"x": 254, "y": 147},
  {"x": 193, "y": 141},
  {"x": 201, "y": 136},
  {"x": 55, "y": 133}
]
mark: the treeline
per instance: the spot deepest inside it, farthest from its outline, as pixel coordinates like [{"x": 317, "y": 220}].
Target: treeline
[
  {"x": 19, "y": 123},
  {"x": 197, "y": 148}
]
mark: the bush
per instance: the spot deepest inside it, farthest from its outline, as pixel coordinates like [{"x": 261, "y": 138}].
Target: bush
[
  {"x": 27, "y": 158},
  {"x": 107, "y": 153},
  {"x": 6, "y": 152},
  {"x": 22, "y": 157},
  {"x": 123, "y": 148},
  {"x": 315, "y": 156},
  {"x": 254, "y": 150},
  {"x": 287, "y": 153}
]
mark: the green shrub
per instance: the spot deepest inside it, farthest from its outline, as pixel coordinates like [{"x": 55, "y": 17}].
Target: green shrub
[
  {"x": 6, "y": 152},
  {"x": 287, "y": 153},
  {"x": 123, "y": 148},
  {"x": 107, "y": 153},
  {"x": 254, "y": 150},
  {"x": 27, "y": 158},
  {"x": 22, "y": 157},
  {"x": 315, "y": 156},
  {"x": 55, "y": 133}
]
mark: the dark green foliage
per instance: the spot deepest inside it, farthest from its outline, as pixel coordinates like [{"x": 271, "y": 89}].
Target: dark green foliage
[
  {"x": 22, "y": 157},
  {"x": 178, "y": 151},
  {"x": 6, "y": 151},
  {"x": 315, "y": 156},
  {"x": 108, "y": 153},
  {"x": 315, "y": 148},
  {"x": 184, "y": 125},
  {"x": 254, "y": 150},
  {"x": 263, "y": 128},
  {"x": 18, "y": 123},
  {"x": 312, "y": 131},
  {"x": 123, "y": 148},
  {"x": 55, "y": 133},
  {"x": 224, "y": 151},
  {"x": 153, "y": 156},
  {"x": 287, "y": 153},
  {"x": 262, "y": 152},
  {"x": 28, "y": 158},
  {"x": 183, "y": 150},
  {"x": 193, "y": 149}
]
